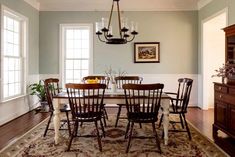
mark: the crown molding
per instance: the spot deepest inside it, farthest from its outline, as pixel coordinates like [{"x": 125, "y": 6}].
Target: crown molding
[
  {"x": 202, "y": 3},
  {"x": 33, "y": 3}
]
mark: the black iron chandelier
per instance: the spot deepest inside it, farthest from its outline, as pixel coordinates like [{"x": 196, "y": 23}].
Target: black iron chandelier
[{"x": 104, "y": 28}]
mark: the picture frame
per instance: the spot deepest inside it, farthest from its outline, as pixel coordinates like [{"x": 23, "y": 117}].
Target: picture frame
[{"x": 147, "y": 52}]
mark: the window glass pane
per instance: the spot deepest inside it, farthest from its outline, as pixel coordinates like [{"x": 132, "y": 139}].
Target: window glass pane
[
  {"x": 85, "y": 34},
  {"x": 11, "y": 77},
  {"x": 10, "y": 36},
  {"x": 77, "y": 81},
  {"x": 85, "y": 53},
  {"x": 76, "y": 74},
  {"x": 85, "y": 43},
  {"x": 16, "y": 50},
  {"x": 69, "y": 53},
  {"x": 77, "y": 64},
  {"x": 10, "y": 24},
  {"x": 69, "y": 74},
  {"x": 11, "y": 64},
  {"x": 77, "y": 34},
  {"x": 84, "y": 73},
  {"x": 9, "y": 49},
  {"x": 16, "y": 26},
  {"x": 69, "y": 44},
  {"x": 69, "y": 64},
  {"x": 69, "y": 81},
  {"x": 17, "y": 64},
  {"x": 17, "y": 88},
  {"x": 85, "y": 64},
  {"x": 11, "y": 89},
  {"x": 77, "y": 44},
  {"x": 5, "y": 89},
  {"x": 17, "y": 76},
  {"x": 69, "y": 34},
  {"x": 77, "y": 53},
  {"x": 16, "y": 38},
  {"x": 5, "y": 64},
  {"x": 6, "y": 78}
]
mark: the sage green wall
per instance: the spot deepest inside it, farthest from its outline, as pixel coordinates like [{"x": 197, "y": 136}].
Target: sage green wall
[
  {"x": 208, "y": 11},
  {"x": 33, "y": 18},
  {"x": 177, "y": 33}
]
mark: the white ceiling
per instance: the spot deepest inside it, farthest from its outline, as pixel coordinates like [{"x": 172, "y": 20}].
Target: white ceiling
[{"x": 125, "y": 5}]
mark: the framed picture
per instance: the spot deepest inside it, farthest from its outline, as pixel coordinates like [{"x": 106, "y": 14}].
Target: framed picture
[{"x": 147, "y": 52}]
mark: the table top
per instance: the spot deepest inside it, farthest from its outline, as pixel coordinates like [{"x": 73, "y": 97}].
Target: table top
[{"x": 118, "y": 94}]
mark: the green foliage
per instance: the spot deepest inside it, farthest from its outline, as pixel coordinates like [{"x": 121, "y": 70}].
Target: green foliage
[{"x": 39, "y": 90}]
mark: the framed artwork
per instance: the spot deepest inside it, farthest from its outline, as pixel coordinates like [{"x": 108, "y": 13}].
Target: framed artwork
[{"x": 147, "y": 52}]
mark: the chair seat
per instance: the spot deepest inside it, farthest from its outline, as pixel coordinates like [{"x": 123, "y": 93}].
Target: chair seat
[
  {"x": 142, "y": 117},
  {"x": 89, "y": 117}
]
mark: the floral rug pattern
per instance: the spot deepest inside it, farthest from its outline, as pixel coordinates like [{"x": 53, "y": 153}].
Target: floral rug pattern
[{"x": 33, "y": 144}]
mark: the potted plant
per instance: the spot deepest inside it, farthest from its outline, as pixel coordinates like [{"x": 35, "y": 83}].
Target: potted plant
[
  {"x": 39, "y": 90},
  {"x": 226, "y": 71}
]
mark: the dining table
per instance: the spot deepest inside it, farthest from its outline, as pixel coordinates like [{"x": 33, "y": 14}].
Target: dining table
[{"x": 110, "y": 98}]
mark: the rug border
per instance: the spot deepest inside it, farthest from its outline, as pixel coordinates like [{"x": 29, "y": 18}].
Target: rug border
[{"x": 211, "y": 141}]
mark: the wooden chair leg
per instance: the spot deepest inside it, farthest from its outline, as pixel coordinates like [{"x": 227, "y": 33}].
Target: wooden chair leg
[
  {"x": 74, "y": 134},
  {"x": 102, "y": 127},
  {"x": 181, "y": 121},
  {"x": 118, "y": 114},
  {"x": 104, "y": 120},
  {"x": 48, "y": 124},
  {"x": 156, "y": 137},
  {"x": 68, "y": 123},
  {"x": 127, "y": 129},
  {"x": 130, "y": 136},
  {"x": 98, "y": 136},
  {"x": 161, "y": 119},
  {"x": 187, "y": 128}
]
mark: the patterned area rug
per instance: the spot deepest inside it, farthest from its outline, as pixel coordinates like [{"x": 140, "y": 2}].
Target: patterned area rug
[{"x": 33, "y": 144}]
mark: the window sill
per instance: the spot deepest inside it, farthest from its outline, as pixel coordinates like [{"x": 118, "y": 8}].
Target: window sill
[{"x": 12, "y": 99}]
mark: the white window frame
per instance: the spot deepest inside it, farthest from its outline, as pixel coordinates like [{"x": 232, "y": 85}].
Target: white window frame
[
  {"x": 63, "y": 27},
  {"x": 24, "y": 52}
]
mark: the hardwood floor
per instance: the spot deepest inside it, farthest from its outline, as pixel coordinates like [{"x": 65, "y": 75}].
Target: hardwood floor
[
  {"x": 19, "y": 126},
  {"x": 201, "y": 119}
]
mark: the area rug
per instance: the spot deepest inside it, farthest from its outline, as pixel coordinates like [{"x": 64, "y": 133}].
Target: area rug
[{"x": 33, "y": 144}]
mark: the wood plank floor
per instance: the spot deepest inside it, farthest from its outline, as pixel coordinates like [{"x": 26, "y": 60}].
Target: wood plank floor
[
  {"x": 201, "y": 119},
  {"x": 19, "y": 126}
]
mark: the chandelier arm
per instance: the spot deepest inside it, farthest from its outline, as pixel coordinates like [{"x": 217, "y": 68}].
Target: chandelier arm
[
  {"x": 131, "y": 39},
  {"x": 110, "y": 16},
  {"x": 105, "y": 36},
  {"x": 119, "y": 19},
  {"x": 101, "y": 39}
]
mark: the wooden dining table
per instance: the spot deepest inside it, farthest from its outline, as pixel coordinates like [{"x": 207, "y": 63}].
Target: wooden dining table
[{"x": 110, "y": 97}]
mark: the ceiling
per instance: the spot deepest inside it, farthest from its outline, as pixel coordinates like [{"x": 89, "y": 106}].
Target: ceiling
[{"x": 125, "y": 5}]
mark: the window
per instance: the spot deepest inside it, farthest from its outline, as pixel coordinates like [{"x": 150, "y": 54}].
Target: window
[
  {"x": 13, "y": 54},
  {"x": 76, "y": 52}
]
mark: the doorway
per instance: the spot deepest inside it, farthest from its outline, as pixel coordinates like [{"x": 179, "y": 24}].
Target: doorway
[{"x": 213, "y": 54}]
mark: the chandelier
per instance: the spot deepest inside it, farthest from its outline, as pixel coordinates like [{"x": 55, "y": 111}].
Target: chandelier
[{"x": 126, "y": 34}]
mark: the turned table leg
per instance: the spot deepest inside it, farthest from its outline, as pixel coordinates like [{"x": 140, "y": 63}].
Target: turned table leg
[{"x": 165, "y": 106}]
